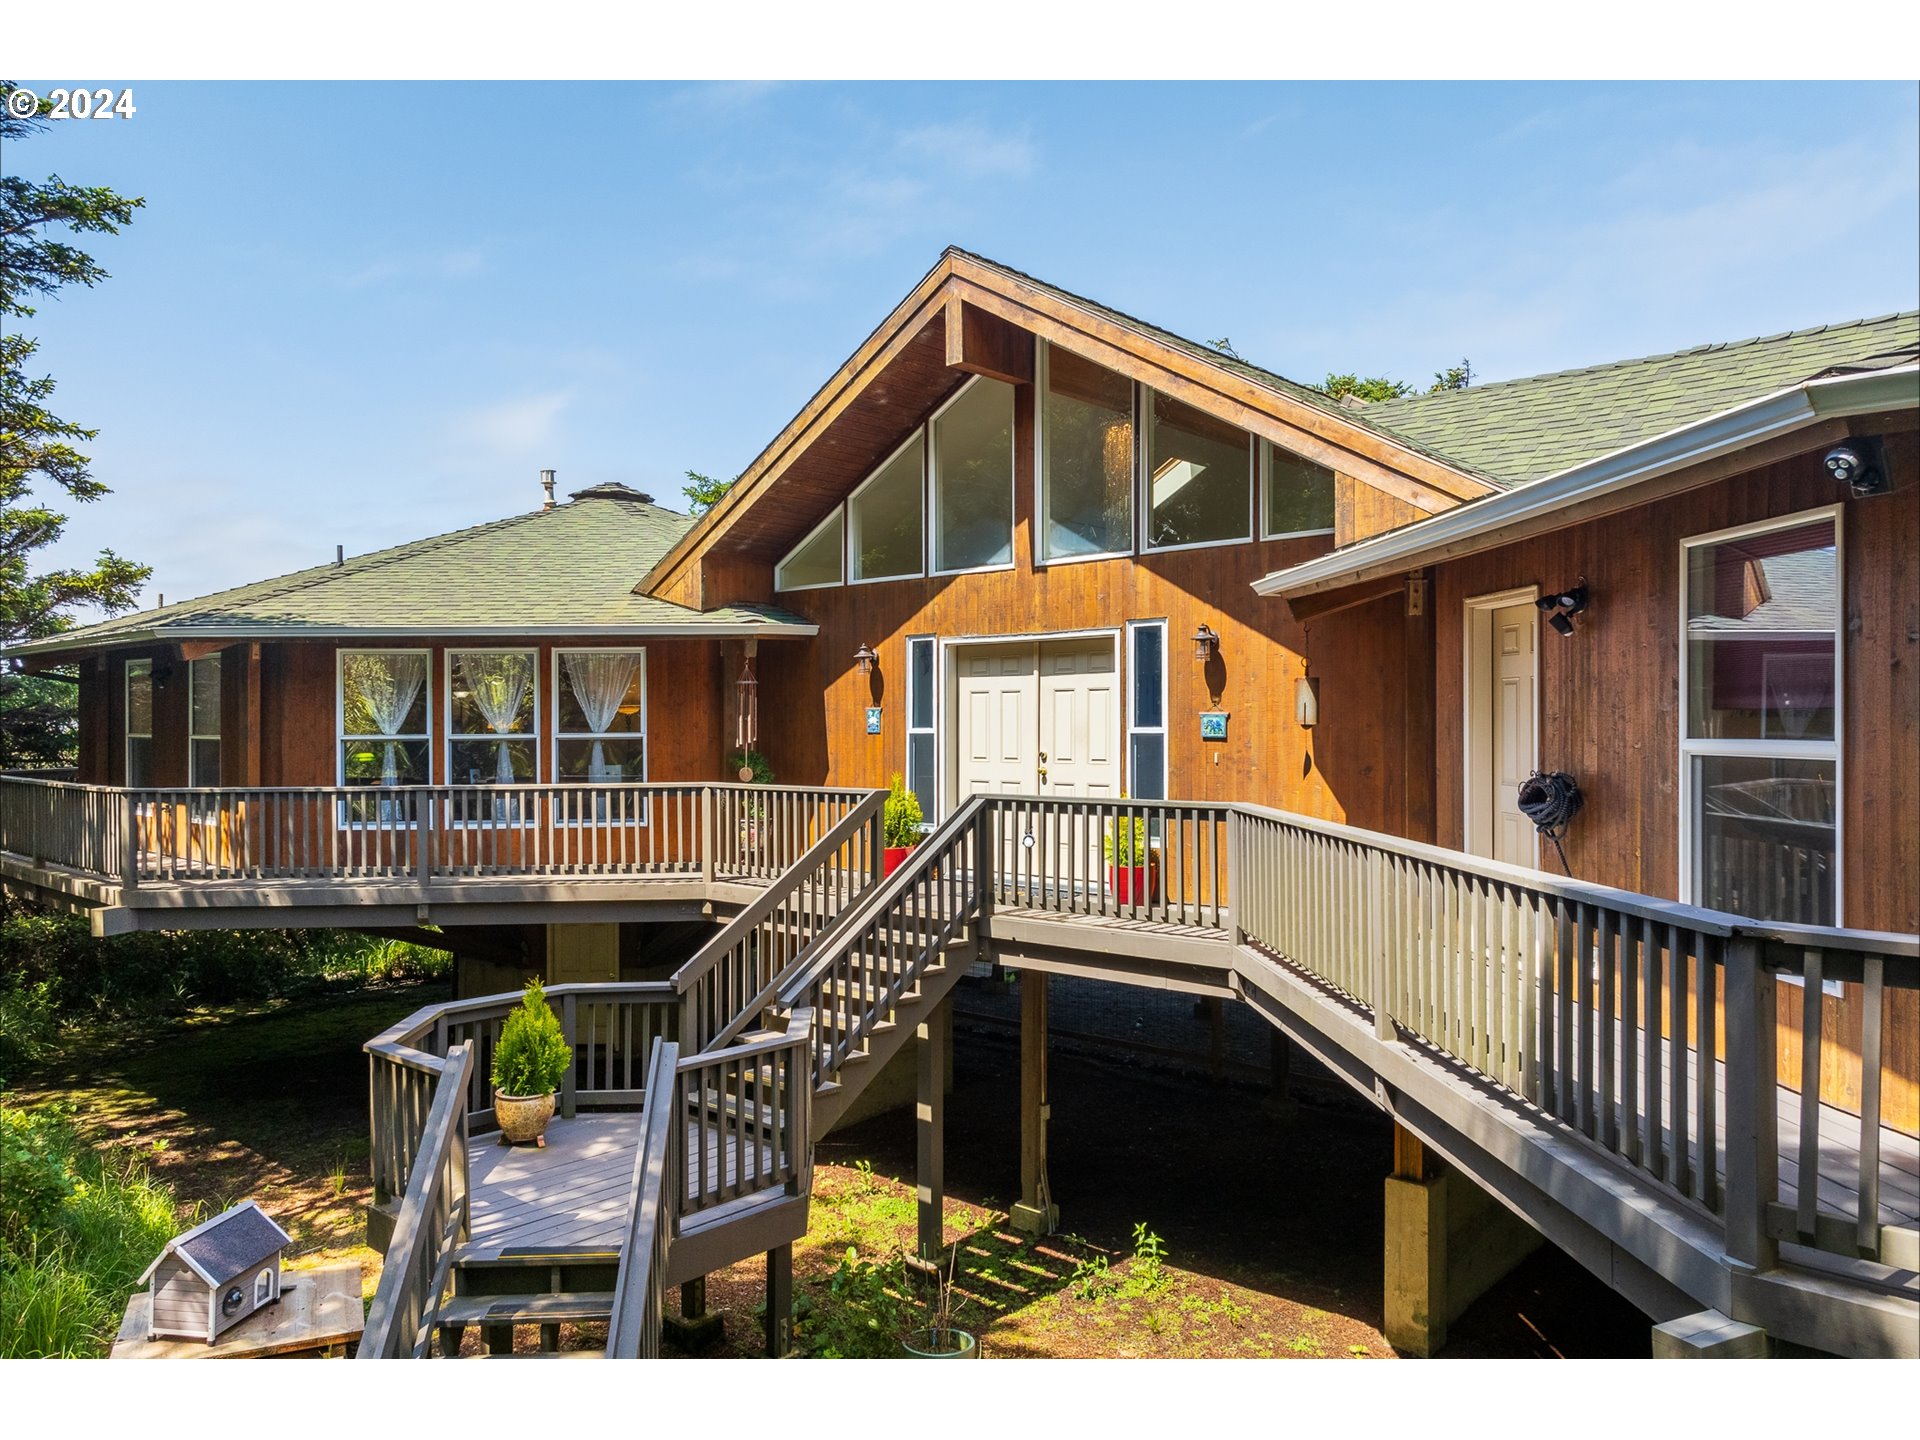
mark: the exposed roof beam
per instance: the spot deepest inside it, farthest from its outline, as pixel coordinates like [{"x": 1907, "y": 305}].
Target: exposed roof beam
[{"x": 983, "y": 344}]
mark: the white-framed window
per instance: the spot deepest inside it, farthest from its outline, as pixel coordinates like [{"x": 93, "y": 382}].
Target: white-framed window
[
  {"x": 1296, "y": 494},
  {"x": 1761, "y": 690},
  {"x": 923, "y": 751},
  {"x": 817, "y": 561},
  {"x": 600, "y": 716},
  {"x": 385, "y": 697},
  {"x": 203, "y": 715},
  {"x": 1084, "y": 459},
  {"x": 139, "y": 709},
  {"x": 970, "y": 481},
  {"x": 263, "y": 1287},
  {"x": 1147, "y": 709},
  {"x": 1196, "y": 485},
  {"x": 493, "y": 710},
  {"x": 886, "y": 537}
]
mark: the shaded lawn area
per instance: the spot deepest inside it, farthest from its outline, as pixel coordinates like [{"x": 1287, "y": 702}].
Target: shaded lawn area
[{"x": 267, "y": 1102}]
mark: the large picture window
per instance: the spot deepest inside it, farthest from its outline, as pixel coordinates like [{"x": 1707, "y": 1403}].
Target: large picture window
[
  {"x": 600, "y": 731},
  {"x": 883, "y": 518},
  {"x": 1298, "y": 495},
  {"x": 1086, "y": 458},
  {"x": 492, "y": 707},
  {"x": 1760, "y": 724},
  {"x": 1199, "y": 480},
  {"x": 383, "y": 717},
  {"x": 203, "y": 710},
  {"x": 971, "y": 446},
  {"x": 139, "y": 724}
]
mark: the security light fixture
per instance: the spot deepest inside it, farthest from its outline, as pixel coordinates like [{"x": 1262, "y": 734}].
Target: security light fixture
[
  {"x": 865, "y": 659},
  {"x": 1860, "y": 465},
  {"x": 1205, "y": 641},
  {"x": 1563, "y": 605}
]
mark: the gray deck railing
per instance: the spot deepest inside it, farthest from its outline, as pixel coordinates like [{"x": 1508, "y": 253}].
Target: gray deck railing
[
  {"x": 423, "y": 832},
  {"x": 431, "y": 1223},
  {"x": 730, "y": 980},
  {"x": 653, "y": 1218}
]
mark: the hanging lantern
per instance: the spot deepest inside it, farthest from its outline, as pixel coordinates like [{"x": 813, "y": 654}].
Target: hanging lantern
[
  {"x": 1205, "y": 642},
  {"x": 864, "y": 659}
]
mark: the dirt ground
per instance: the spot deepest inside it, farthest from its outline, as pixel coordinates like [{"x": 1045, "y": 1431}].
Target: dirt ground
[{"x": 1270, "y": 1217}]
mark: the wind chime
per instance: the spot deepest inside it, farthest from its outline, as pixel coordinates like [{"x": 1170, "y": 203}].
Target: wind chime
[{"x": 747, "y": 729}]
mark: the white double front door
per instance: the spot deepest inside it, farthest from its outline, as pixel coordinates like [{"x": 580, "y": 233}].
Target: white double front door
[{"x": 1037, "y": 717}]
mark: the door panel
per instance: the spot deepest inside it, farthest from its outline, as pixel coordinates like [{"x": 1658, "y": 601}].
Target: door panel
[
  {"x": 1514, "y": 661},
  {"x": 1078, "y": 703},
  {"x": 997, "y": 709}
]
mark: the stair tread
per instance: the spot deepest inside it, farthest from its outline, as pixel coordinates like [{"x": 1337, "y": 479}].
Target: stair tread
[{"x": 545, "y": 1308}]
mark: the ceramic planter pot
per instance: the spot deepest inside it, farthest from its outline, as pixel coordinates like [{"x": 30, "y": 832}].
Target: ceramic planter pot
[
  {"x": 941, "y": 1345},
  {"x": 522, "y": 1117},
  {"x": 1134, "y": 884},
  {"x": 892, "y": 858}
]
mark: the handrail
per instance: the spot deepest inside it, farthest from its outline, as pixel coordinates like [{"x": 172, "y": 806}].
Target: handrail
[
  {"x": 429, "y": 1227},
  {"x": 893, "y": 936},
  {"x": 653, "y": 1215},
  {"x": 747, "y": 1112},
  {"x": 764, "y": 942}
]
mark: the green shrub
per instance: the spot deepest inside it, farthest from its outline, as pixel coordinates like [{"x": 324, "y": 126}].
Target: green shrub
[
  {"x": 1125, "y": 842},
  {"x": 28, "y": 1024},
  {"x": 752, "y": 760},
  {"x": 865, "y": 1313},
  {"x": 532, "y": 1055},
  {"x": 77, "y": 1227},
  {"x": 900, "y": 818}
]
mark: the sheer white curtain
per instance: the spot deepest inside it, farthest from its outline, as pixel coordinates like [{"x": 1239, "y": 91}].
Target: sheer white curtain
[
  {"x": 381, "y": 690},
  {"x": 498, "y": 685},
  {"x": 600, "y": 681}
]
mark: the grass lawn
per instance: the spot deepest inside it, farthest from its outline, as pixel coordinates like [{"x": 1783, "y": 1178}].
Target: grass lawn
[{"x": 266, "y": 1102}]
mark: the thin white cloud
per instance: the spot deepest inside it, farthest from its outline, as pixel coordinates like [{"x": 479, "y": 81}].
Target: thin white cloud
[{"x": 514, "y": 426}]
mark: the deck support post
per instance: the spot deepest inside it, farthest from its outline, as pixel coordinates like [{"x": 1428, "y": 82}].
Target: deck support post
[
  {"x": 1035, "y": 1213},
  {"x": 1278, "y": 1101},
  {"x": 694, "y": 1329},
  {"x": 933, "y": 1038},
  {"x": 1709, "y": 1335},
  {"x": 1447, "y": 1242},
  {"x": 779, "y": 1301}
]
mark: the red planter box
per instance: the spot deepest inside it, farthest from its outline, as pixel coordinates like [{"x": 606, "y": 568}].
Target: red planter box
[
  {"x": 892, "y": 858},
  {"x": 1134, "y": 884}
]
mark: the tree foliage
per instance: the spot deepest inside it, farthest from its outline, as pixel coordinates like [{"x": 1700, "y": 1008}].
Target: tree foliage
[
  {"x": 39, "y": 450},
  {"x": 1371, "y": 388},
  {"x": 704, "y": 491}
]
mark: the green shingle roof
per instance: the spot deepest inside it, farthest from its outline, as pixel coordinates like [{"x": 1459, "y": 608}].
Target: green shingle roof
[
  {"x": 566, "y": 570},
  {"x": 1514, "y": 431}
]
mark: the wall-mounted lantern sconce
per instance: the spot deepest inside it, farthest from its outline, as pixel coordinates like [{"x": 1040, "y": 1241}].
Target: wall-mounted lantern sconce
[
  {"x": 864, "y": 659},
  {"x": 1562, "y": 607},
  {"x": 1205, "y": 642}
]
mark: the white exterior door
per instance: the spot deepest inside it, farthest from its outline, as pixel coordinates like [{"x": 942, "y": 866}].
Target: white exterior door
[
  {"x": 997, "y": 726},
  {"x": 1079, "y": 712},
  {"x": 1514, "y": 672}
]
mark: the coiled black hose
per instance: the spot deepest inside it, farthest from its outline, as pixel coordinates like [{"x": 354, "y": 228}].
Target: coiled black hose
[{"x": 1550, "y": 799}]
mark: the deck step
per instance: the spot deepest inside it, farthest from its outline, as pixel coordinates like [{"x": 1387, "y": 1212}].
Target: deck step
[{"x": 527, "y": 1309}]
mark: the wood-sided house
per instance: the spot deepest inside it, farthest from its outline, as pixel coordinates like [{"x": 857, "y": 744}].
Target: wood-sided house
[{"x": 1025, "y": 544}]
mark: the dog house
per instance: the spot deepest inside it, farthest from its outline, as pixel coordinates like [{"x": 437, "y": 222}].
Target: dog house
[{"x": 215, "y": 1275}]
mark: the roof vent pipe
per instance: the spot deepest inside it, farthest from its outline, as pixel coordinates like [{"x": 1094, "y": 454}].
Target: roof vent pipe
[
  {"x": 339, "y": 554},
  {"x": 546, "y": 484}
]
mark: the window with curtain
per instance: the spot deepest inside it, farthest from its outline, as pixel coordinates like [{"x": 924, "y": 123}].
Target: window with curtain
[
  {"x": 1086, "y": 457},
  {"x": 1299, "y": 495},
  {"x": 383, "y": 718},
  {"x": 1199, "y": 476},
  {"x": 883, "y": 518},
  {"x": 491, "y": 726},
  {"x": 600, "y": 735},
  {"x": 971, "y": 445},
  {"x": 1760, "y": 736},
  {"x": 203, "y": 710},
  {"x": 139, "y": 723}
]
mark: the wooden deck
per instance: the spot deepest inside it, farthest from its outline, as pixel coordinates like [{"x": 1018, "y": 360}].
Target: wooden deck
[{"x": 571, "y": 1197}]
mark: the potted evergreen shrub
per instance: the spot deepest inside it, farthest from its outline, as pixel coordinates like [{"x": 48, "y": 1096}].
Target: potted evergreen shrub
[
  {"x": 900, "y": 822},
  {"x": 529, "y": 1061},
  {"x": 1133, "y": 870}
]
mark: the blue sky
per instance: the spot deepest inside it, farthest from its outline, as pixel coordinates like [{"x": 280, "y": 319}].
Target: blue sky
[{"x": 359, "y": 314}]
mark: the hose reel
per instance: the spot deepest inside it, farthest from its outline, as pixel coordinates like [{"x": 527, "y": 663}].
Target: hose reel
[{"x": 1550, "y": 799}]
